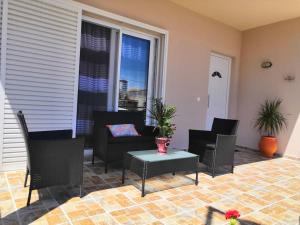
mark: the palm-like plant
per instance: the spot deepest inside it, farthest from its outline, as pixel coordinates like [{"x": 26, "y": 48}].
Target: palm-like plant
[
  {"x": 163, "y": 115},
  {"x": 270, "y": 120}
]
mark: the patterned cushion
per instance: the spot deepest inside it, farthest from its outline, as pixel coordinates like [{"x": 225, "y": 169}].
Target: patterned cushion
[{"x": 123, "y": 130}]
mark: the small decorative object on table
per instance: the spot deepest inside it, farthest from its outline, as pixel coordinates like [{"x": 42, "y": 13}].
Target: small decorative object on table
[
  {"x": 163, "y": 114},
  {"x": 232, "y": 216}
]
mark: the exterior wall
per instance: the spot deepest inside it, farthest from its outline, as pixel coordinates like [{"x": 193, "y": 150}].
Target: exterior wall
[
  {"x": 280, "y": 43},
  {"x": 191, "y": 39}
]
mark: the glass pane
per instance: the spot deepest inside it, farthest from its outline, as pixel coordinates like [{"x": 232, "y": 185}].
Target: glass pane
[{"x": 134, "y": 73}]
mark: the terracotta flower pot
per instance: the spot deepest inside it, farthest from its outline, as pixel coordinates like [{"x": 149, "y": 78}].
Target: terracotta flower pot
[
  {"x": 162, "y": 144},
  {"x": 268, "y": 146}
]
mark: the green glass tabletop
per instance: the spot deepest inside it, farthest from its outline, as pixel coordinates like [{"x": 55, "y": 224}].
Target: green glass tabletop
[{"x": 155, "y": 156}]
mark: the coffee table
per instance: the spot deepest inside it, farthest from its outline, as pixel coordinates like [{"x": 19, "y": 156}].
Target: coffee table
[{"x": 150, "y": 163}]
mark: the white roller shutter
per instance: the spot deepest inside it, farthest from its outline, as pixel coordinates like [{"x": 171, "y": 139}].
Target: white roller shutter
[{"x": 41, "y": 71}]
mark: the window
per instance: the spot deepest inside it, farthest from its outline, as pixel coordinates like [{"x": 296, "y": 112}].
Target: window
[
  {"x": 134, "y": 73},
  {"x": 131, "y": 77}
]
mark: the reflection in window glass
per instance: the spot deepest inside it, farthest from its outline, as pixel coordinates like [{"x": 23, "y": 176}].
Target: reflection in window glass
[{"x": 134, "y": 73}]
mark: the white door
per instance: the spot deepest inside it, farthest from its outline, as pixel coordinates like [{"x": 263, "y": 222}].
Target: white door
[{"x": 218, "y": 88}]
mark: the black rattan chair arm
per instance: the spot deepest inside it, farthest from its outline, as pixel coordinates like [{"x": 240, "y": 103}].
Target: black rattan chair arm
[
  {"x": 50, "y": 135},
  {"x": 202, "y": 135},
  {"x": 149, "y": 131}
]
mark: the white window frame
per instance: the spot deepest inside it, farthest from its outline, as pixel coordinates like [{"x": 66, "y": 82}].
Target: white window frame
[
  {"x": 156, "y": 85},
  {"x": 151, "y": 68}
]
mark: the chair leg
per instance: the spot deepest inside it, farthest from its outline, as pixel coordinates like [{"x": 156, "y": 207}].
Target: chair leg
[
  {"x": 93, "y": 157},
  {"x": 214, "y": 164},
  {"x": 213, "y": 172},
  {"x": 26, "y": 177},
  {"x": 80, "y": 191},
  {"x": 105, "y": 167},
  {"x": 29, "y": 196},
  {"x": 232, "y": 168}
]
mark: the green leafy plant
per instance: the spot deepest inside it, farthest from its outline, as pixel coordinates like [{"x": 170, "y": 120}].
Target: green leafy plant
[
  {"x": 163, "y": 114},
  {"x": 270, "y": 120}
]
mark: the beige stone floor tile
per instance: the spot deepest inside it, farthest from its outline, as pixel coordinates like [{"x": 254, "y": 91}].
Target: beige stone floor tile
[
  {"x": 266, "y": 195},
  {"x": 136, "y": 197},
  {"x": 85, "y": 221},
  {"x": 290, "y": 204},
  {"x": 133, "y": 215},
  {"x": 292, "y": 184},
  {"x": 103, "y": 219},
  {"x": 81, "y": 209},
  {"x": 259, "y": 219},
  {"x": 296, "y": 197},
  {"x": 185, "y": 219},
  {"x": 156, "y": 223},
  {"x": 186, "y": 201},
  {"x": 206, "y": 195},
  {"x": 56, "y": 219},
  {"x": 251, "y": 201},
  {"x": 210, "y": 214},
  {"x": 114, "y": 202},
  {"x": 6, "y": 207},
  {"x": 226, "y": 190},
  {"x": 281, "y": 213},
  {"x": 229, "y": 204},
  {"x": 161, "y": 209}
]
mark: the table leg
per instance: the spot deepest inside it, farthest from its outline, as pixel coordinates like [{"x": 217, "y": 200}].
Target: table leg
[
  {"x": 143, "y": 187},
  {"x": 144, "y": 179},
  {"x": 123, "y": 175},
  {"x": 173, "y": 173},
  {"x": 124, "y": 168},
  {"x": 196, "y": 181}
]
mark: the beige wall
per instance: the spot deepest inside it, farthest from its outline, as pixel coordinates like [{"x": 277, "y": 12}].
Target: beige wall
[
  {"x": 192, "y": 38},
  {"x": 280, "y": 43}
]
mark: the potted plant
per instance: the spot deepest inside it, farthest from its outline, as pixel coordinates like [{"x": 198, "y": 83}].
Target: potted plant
[
  {"x": 163, "y": 114},
  {"x": 269, "y": 122}
]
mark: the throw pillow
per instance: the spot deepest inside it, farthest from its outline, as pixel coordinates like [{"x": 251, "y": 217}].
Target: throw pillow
[{"x": 123, "y": 130}]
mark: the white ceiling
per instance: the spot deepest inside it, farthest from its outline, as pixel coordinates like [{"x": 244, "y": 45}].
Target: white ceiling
[{"x": 244, "y": 14}]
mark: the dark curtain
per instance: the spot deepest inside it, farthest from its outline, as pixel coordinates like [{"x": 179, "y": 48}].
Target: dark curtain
[{"x": 93, "y": 77}]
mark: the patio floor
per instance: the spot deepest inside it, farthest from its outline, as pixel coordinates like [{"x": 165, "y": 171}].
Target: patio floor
[{"x": 263, "y": 191}]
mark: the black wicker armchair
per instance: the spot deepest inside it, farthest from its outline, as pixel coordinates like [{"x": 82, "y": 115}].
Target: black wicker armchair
[
  {"x": 53, "y": 158},
  {"x": 215, "y": 147},
  {"x": 111, "y": 149}
]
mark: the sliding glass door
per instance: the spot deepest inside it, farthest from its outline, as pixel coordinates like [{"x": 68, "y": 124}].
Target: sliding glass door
[{"x": 116, "y": 73}]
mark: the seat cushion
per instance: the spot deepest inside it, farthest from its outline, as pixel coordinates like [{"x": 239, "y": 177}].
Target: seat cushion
[{"x": 131, "y": 139}]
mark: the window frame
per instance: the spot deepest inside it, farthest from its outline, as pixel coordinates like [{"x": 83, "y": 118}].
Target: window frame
[
  {"x": 151, "y": 70},
  {"x": 157, "y": 65}
]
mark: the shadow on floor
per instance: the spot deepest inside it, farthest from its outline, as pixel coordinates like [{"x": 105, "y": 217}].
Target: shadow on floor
[
  {"x": 245, "y": 156},
  {"x": 53, "y": 197}
]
